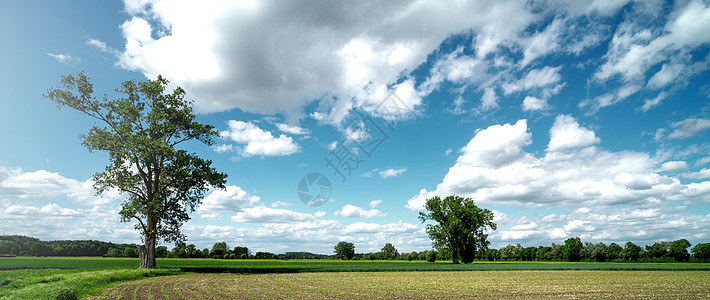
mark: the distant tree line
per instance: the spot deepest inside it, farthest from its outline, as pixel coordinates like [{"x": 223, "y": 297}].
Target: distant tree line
[
  {"x": 18, "y": 245},
  {"x": 573, "y": 249}
]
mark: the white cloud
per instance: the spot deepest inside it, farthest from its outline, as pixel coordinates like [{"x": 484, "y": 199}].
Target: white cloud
[
  {"x": 641, "y": 226},
  {"x": 222, "y": 148},
  {"x": 318, "y": 236},
  {"x": 633, "y": 50},
  {"x": 263, "y": 214},
  {"x": 536, "y": 78},
  {"x": 42, "y": 184},
  {"x": 291, "y": 129},
  {"x": 489, "y": 100},
  {"x": 332, "y": 145},
  {"x": 542, "y": 43},
  {"x": 533, "y": 103},
  {"x": 280, "y": 203},
  {"x": 54, "y": 222},
  {"x": 651, "y": 103},
  {"x": 494, "y": 169},
  {"x": 259, "y": 141},
  {"x": 566, "y": 134},
  {"x": 702, "y": 174},
  {"x": 671, "y": 166},
  {"x": 688, "y": 128},
  {"x": 375, "y": 203},
  {"x": 230, "y": 199},
  {"x": 352, "y": 211},
  {"x": 64, "y": 59},
  {"x": 392, "y": 172}
]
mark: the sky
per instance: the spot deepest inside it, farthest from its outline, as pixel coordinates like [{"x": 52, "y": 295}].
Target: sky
[{"x": 338, "y": 119}]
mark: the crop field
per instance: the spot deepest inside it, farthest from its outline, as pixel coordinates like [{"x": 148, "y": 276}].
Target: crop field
[
  {"x": 419, "y": 285},
  {"x": 78, "y": 277}
]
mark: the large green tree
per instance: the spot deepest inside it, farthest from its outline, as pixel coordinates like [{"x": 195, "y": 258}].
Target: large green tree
[
  {"x": 572, "y": 249},
  {"x": 460, "y": 227},
  {"x": 344, "y": 250},
  {"x": 141, "y": 133},
  {"x": 679, "y": 250}
]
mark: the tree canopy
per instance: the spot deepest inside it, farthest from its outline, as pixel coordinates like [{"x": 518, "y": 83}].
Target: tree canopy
[
  {"x": 141, "y": 133},
  {"x": 344, "y": 250},
  {"x": 461, "y": 226}
]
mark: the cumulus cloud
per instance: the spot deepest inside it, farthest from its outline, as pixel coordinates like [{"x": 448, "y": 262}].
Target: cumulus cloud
[
  {"x": 493, "y": 168},
  {"x": 42, "y": 184},
  {"x": 263, "y": 214},
  {"x": 375, "y": 203},
  {"x": 315, "y": 236},
  {"x": 266, "y": 57},
  {"x": 53, "y": 221},
  {"x": 671, "y": 166},
  {"x": 258, "y": 141},
  {"x": 230, "y": 199},
  {"x": 566, "y": 134},
  {"x": 702, "y": 174},
  {"x": 641, "y": 226},
  {"x": 352, "y": 211}
]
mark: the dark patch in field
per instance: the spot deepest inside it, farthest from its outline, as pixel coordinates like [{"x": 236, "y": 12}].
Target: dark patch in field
[{"x": 5, "y": 283}]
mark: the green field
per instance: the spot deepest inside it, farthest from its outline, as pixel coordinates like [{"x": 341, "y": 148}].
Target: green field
[{"x": 65, "y": 278}]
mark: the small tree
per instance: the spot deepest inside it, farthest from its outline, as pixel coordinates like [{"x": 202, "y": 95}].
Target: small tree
[
  {"x": 141, "y": 135},
  {"x": 461, "y": 226},
  {"x": 344, "y": 250},
  {"x": 388, "y": 251}
]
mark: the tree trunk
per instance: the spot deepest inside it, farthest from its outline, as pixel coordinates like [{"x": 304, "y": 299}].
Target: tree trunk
[{"x": 147, "y": 252}]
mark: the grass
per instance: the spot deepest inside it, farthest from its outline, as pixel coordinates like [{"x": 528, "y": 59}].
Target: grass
[
  {"x": 57, "y": 284},
  {"x": 75, "y": 277}
]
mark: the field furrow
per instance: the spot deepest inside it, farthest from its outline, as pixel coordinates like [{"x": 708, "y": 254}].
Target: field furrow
[{"x": 420, "y": 285}]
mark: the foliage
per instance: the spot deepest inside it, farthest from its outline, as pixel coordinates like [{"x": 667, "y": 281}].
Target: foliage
[
  {"x": 142, "y": 130},
  {"x": 572, "y": 249},
  {"x": 389, "y": 252},
  {"x": 461, "y": 226},
  {"x": 431, "y": 256},
  {"x": 344, "y": 250},
  {"x": 264, "y": 255},
  {"x": 679, "y": 250},
  {"x": 701, "y": 251}
]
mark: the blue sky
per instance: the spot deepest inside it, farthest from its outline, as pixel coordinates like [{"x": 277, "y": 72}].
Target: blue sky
[{"x": 567, "y": 118}]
